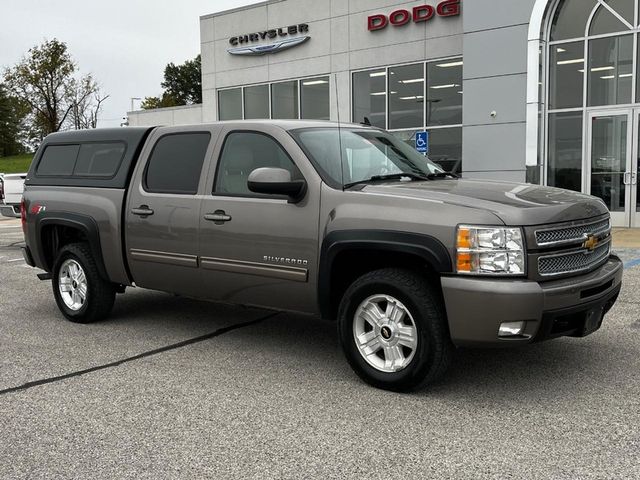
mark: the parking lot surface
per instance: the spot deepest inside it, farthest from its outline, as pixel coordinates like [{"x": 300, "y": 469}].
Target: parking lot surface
[{"x": 258, "y": 395}]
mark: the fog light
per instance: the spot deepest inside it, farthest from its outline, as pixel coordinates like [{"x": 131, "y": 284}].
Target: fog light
[{"x": 511, "y": 329}]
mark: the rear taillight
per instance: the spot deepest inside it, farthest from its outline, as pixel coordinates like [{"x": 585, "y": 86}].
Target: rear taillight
[{"x": 23, "y": 215}]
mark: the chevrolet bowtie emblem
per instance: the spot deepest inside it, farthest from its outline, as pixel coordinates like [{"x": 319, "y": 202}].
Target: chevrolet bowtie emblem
[{"x": 591, "y": 243}]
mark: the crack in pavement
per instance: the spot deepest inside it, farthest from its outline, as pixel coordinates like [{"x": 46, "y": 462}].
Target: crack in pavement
[{"x": 174, "y": 346}]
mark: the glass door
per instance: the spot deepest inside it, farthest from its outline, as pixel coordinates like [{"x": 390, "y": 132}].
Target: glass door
[
  {"x": 633, "y": 176},
  {"x": 608, "y": 165}
]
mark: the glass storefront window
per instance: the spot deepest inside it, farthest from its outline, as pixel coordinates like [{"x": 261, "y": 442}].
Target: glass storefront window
[
  {"x": 445, "y": 146},
  {"x": 566, "y": 75},
  {"x": 610, "y": 70},
  {"x": 284, "y": 100},
  {"x": 444, "y": 93},
  {"x": 565, "y": 151},
  {"x": 623, "y": 7},
  {"x": 256, "y": 102},
  {"x": 230, "y": 104},
  {"x": 406, "y": 96},
  {"x": 638, "y": 76},
  {"x": 315, "y": 98},
  {"x": 605, "y": 22},
  {"x": 570, "y": 19},
  {"x": 370, "y": 97}
]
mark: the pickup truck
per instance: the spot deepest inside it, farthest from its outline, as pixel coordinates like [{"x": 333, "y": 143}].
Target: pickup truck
[
  {"x": 13, "y": 186},
  {"x": 344, "y": 222}
]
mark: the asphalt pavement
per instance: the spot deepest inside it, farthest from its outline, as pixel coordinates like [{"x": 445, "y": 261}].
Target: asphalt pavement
[{"x": 176, "y": 388}]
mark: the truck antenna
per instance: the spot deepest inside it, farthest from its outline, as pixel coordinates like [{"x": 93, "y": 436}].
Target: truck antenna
[{"x": 335, "y": 79}]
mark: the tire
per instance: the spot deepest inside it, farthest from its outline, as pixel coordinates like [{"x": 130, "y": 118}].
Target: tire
[
  {"x": 74, "y": 268},
  {"x": 416, "y": 327}
]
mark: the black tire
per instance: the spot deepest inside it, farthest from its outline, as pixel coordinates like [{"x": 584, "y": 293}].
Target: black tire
[
  {"x": 433, "y": 353},
  {"x": 100, "y": 293}
]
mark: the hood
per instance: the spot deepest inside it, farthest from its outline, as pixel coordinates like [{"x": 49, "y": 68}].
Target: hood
[{"x": 513, "y": 203}]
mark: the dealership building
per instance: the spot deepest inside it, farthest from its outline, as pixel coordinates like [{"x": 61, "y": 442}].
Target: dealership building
[{"x": 545, "y": 91}]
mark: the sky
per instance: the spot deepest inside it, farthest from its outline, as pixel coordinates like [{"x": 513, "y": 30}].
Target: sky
[{"x": 125, "y": 44}]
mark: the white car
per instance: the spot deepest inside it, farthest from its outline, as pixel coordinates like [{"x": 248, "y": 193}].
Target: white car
[{"x": 13, "y": 189}]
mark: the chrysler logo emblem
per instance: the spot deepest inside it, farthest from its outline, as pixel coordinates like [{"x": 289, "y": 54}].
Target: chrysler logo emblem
[
  {"x": 591, "y": 243},
  {"x": 275, "y": 47}
]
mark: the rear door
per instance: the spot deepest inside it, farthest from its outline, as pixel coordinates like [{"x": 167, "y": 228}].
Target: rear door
[
  {"x": 257, "y": 249},
  {"x": 163, "y": 209}
]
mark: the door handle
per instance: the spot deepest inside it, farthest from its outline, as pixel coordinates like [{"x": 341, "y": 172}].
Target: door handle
[
  {"x": 634, "y": 178},
  {"x": 142, "y": 211},
  {"x": 626, "y": 179},
  {"x": 218, "y": 217}
]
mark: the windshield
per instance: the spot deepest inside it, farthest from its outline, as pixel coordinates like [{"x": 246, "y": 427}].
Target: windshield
[{"x": 365, "y": 154}]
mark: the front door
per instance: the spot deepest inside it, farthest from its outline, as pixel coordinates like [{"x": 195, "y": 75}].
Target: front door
[
  {"x": 611, "y": 170},
  {"x": 259, "y": 249}
]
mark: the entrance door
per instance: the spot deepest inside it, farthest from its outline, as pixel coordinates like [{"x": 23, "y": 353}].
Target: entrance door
[
  {"x": 633, "y": 176},
  {"x": 611, "y": 170}
]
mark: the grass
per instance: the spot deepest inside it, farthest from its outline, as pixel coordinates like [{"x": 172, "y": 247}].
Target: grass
[{"x": 15, "y": 164}]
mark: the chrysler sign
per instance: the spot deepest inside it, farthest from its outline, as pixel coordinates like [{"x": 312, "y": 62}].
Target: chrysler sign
[
  {"x": 281, "y": 39},
  {"x": 422, "y": 13}
]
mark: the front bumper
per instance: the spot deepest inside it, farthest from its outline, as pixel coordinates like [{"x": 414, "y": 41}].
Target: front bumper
[{"x": 476, "y": 307}]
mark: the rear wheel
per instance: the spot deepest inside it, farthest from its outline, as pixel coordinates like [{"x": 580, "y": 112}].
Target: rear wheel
[
  {"x": 82, "y": 295},
  {"x": 393, "y": 330}
]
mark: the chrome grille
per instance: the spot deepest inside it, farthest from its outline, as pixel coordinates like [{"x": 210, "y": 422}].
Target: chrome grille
[
  {"x": 574, "y": 234},
  {"x": 574, "y": 261}
]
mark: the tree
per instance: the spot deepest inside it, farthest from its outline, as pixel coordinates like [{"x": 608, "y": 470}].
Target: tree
[
  {"x": 87, "y": 103},
  {"x": 46, "y": 79},
  {"x": 149, "y": 103},
  {"x": 12, "y": 124},
  {"x": 182, "y": 86}
]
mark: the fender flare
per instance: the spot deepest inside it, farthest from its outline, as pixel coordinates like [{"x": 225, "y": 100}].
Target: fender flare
[
  {"x": 429, "y": 248},
  {"x": 83, "y": 223}
]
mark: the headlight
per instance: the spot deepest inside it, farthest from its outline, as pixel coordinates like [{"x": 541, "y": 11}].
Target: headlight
[{"x": 490, "y": 251}]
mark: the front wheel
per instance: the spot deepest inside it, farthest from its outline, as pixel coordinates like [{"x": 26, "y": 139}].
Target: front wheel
[
  {"x": 393, "y": 330},
  {"x": 82, "y": 295}
]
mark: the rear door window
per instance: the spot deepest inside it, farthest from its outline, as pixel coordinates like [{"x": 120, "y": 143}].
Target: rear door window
[
  {"x": 176, "y": 163},
  {"x": 58, "y": 160}
]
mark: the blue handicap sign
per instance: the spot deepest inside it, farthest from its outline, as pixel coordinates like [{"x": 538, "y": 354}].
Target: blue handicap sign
[{"x": 422, "y": 142}]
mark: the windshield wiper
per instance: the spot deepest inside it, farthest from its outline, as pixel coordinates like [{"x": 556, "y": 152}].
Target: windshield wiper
[
  {"x": 435, "y": 176},
  {"x": 394, "y": 176}
]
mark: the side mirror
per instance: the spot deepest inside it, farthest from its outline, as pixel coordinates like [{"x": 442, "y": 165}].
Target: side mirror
[{"x": 276, "y": 181}]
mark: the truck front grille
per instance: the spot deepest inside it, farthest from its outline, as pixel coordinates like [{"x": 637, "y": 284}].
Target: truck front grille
[
  {"x": 572, "y": 234},
  {"x": 574, "y": 261}
]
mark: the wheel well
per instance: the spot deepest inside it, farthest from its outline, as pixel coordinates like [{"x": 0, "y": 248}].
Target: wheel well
[
  {"x": 55, "y": 237},
  {"x": 349, "y": 265}
]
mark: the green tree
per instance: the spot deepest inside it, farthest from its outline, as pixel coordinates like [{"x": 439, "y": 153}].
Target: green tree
[
  {"x": 182, "y": 86},
  {"x": 149, "y": 103},
  {"x": 46, "y": 79},
  {"x": 12, "y": 124}
]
